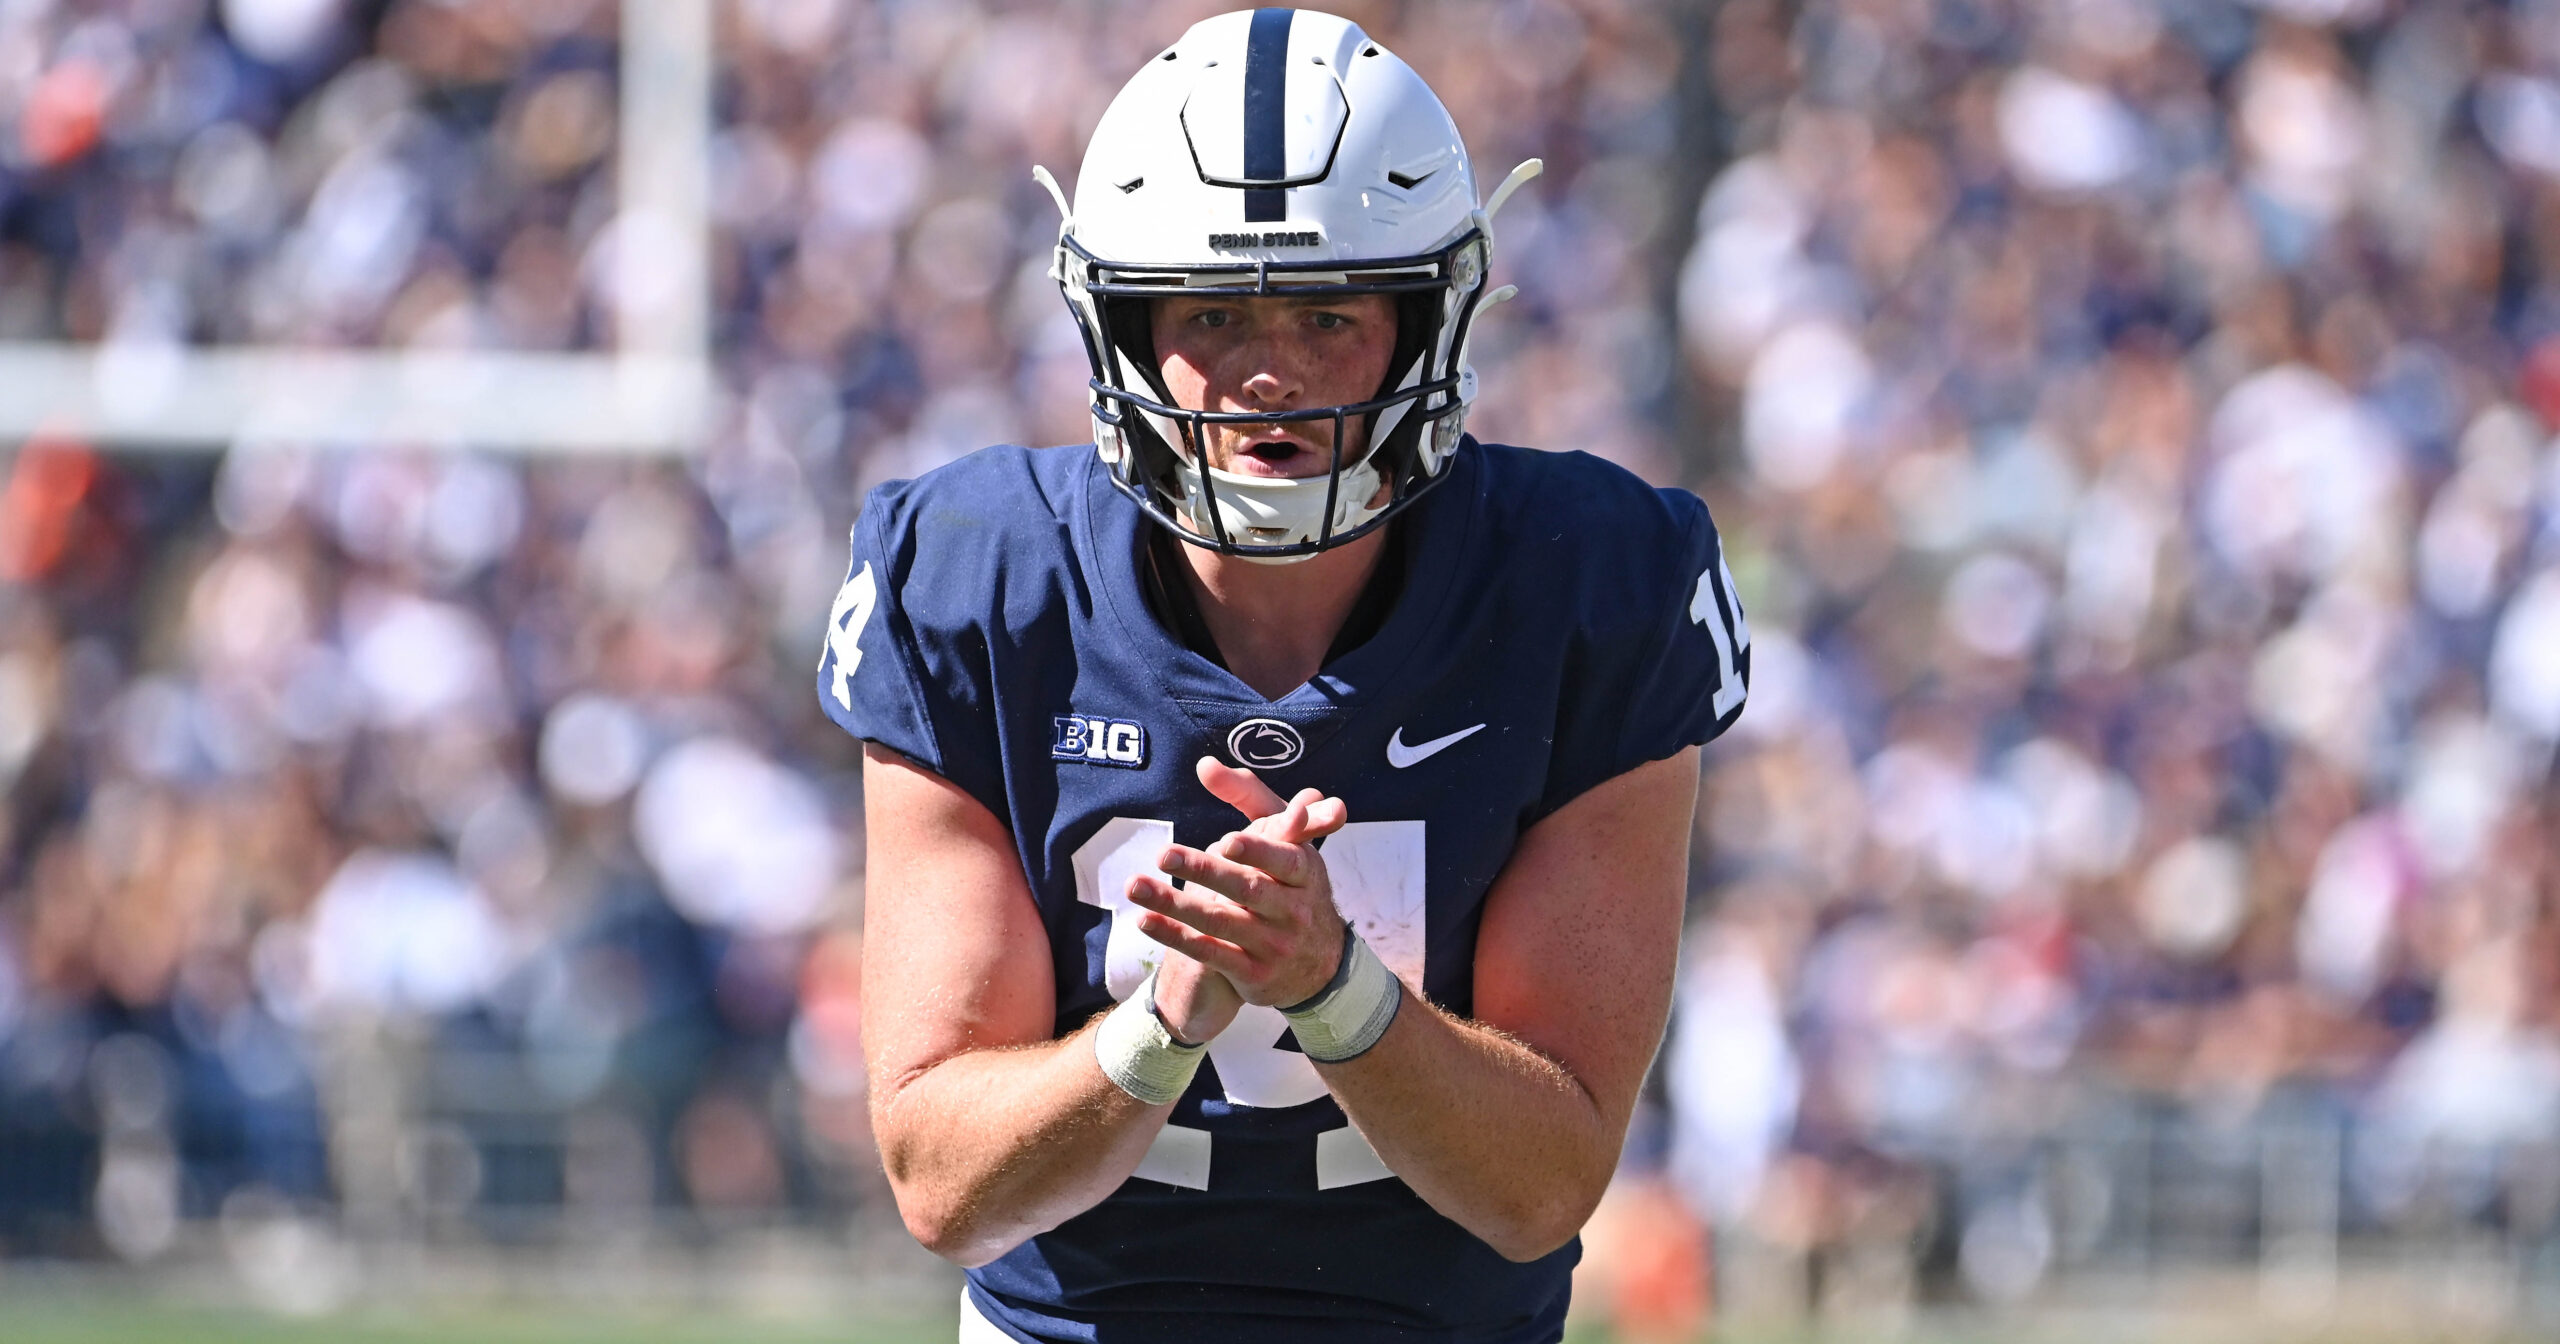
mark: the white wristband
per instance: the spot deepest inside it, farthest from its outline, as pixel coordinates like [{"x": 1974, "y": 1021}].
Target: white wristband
[
  {"x": 1139, "y": 1055},
  {"x": 1348, "y": 1016}
]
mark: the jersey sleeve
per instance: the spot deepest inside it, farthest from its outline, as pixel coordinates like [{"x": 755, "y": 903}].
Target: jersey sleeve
[
  {"x": 1663, "y": 657},
  {"x": 912, "y": 676}
]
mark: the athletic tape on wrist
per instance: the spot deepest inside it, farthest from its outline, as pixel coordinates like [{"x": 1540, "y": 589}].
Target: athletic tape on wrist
[
  {"x": 1348, "y": 1016},
  {"x": 1139, "y": 1055}
]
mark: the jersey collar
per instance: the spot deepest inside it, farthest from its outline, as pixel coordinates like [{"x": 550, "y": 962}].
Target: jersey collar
[{"x": 1439, "y": 528}]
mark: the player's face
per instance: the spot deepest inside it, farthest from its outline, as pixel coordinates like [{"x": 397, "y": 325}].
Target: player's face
[{"x": 1275, "y": 354}]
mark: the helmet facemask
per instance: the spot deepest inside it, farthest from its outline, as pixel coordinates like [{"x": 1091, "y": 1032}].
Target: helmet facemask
[{"x": 1155, "y": 450}]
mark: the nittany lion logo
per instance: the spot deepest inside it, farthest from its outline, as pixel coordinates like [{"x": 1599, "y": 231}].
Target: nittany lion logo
[{"x": 1265, "y": 743}]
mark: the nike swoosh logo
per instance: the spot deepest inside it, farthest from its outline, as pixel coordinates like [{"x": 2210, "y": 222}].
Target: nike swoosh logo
[{"x": 1399, "y": 755}]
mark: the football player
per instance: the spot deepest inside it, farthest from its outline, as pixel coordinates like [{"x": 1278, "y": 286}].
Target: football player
[{"x": 1278, "y": 812}]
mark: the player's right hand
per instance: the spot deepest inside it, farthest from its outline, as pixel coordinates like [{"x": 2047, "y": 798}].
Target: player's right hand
[
  {"x": 1257, "y": 906},
  {"x": 1195, "y": 1002}
]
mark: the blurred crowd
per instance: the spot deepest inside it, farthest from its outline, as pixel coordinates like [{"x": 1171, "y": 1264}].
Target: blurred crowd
[
  {"x": 2143, "y": 488},
  {"x": 2129, "y": 422},
  {"x": 410, "y": 839}
]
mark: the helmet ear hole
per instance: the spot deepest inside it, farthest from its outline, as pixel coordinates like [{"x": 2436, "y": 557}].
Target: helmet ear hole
[
  {"x": 1417, "y": 324},
  {"x": 1130, "y": 327},
  {"x": 1398, "y": 454}
]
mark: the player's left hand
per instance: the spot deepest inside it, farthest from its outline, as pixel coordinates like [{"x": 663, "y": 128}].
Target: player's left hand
[{"x": 1258, "y": 906}]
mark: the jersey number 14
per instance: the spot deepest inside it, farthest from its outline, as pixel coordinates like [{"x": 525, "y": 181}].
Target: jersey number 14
[{"x": 1377, "y": 872}]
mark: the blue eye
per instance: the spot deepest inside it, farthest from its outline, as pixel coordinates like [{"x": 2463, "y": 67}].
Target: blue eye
[
  {"x": 1211, "y": 317},
  {"x": 1330, "y": 321}
]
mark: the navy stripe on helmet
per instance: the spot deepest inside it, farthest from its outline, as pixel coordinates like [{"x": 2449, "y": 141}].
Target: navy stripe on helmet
[{"x": 1266, "y": 106}]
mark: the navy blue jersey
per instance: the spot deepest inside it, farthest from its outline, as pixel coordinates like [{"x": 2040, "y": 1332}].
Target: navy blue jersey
[{"x": 1560, "y": 623}]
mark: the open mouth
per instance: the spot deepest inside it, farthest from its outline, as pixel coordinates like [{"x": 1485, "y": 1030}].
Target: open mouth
[{"x": 1270, "y": 456}]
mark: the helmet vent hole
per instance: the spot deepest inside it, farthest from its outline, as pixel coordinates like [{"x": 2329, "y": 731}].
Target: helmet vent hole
[
  {"x": 1369, "y": 51},
  {"x": 1169, "y": 55},
  {"x": 1131, "y": 185},
  {"x": 1404, "y": 183}
]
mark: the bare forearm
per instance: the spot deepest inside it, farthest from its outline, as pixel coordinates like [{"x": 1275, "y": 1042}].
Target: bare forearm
[
  {"x": 1494, "y": 1135},
  {"x": 988, "y": 1148}
]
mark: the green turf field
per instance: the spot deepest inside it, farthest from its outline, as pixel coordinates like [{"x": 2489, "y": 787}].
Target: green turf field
[
  {"x": 123, "y": 1309},
  {"x": 105, "y": 1322},
  {"x": 62, "y": 1322}
]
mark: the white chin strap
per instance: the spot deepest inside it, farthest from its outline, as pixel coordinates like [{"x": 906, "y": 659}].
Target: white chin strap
[
  {"x": 1276, "y": 511},
  {"x": 1269, "y": 510}
]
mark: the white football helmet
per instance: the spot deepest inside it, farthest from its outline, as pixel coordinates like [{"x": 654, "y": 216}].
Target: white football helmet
[{"x": 1270, "y": 151}]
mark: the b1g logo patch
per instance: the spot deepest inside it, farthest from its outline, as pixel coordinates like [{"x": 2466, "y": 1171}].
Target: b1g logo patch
[
  {"x": 1265, "y": 744},
  {"x": 1095, "y": 741}
]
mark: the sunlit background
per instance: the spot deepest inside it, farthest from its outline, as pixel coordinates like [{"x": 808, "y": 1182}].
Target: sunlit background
[{"x": 2131, "y": 899}]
